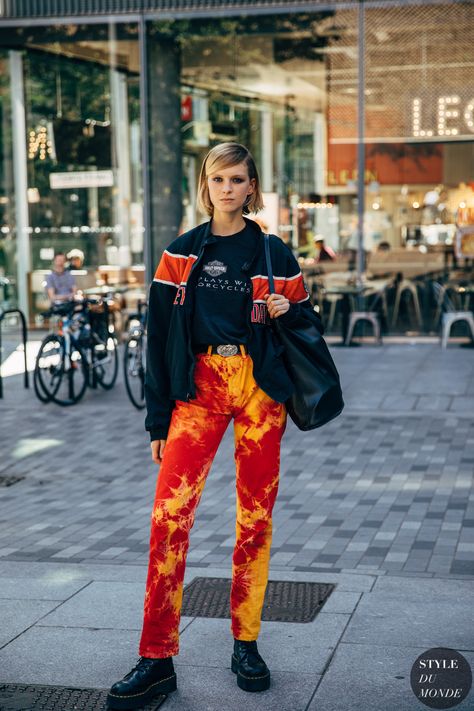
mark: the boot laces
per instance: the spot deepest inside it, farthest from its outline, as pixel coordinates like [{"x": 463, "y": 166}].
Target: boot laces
[
  {"x": 141, "y": 664},
  {"x": 249, "y": 650}
]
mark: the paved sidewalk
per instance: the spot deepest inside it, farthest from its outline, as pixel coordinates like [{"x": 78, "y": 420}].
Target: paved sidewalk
[{"x": 380, "y": 502}]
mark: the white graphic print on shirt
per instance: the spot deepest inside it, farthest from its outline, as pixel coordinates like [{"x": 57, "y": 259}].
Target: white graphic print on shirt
[{"x": 214, "y": 269}]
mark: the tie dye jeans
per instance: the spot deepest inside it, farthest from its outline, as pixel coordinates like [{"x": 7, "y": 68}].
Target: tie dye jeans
[{"x": 225, "y": 389}]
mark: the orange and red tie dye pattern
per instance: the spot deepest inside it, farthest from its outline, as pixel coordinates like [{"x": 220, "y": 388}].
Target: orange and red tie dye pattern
[{"x": 225, "y": 389}]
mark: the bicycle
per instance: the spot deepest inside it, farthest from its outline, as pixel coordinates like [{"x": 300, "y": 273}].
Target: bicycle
[
  {"x": 97, "y": 337},
  {"x": 61, "y": 371},
  {"x": 83, "y": 352},
  {"x": 135, "y": 357}
]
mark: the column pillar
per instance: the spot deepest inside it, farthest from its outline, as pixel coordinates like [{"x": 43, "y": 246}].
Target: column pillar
[
  {"x": 119, "y": 101},
  {"x": 164, "y": 143},
  {"x": 361, "y": 145},
  {"x": 20, "y": 179},
  {"x": 267, "y": 150}
]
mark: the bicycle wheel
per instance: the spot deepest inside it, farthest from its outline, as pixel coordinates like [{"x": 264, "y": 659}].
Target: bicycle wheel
[
  {"x": 75, "y": 377},
  {"x": 49, "y": 367},
  {"x": 105, "y": 361},
  {"x": 134, "y": 369}
]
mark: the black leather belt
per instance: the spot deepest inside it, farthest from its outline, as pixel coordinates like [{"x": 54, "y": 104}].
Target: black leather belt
[{"x": 223, "y": 349}]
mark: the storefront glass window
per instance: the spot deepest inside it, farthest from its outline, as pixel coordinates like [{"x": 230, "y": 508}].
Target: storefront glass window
[
  {"x": 419, "y": 152},
  {"x": 82, "y": 123},
  {"x": 288, "y": 86},
  {"x": 265, "y": 81}
]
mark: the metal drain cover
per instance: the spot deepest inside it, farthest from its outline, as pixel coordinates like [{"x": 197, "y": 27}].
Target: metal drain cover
[
  {"x": 285, "y": 601},
  {"x": 25, "y": 697}
]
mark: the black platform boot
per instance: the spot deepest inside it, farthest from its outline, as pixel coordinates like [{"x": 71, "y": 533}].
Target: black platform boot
[
  {"x": 252, "y": 672},
  {"x": 148, "y": 678}
]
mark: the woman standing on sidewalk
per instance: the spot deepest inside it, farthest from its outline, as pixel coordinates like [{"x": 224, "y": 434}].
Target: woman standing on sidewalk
[{"x": 212, "y": 357}]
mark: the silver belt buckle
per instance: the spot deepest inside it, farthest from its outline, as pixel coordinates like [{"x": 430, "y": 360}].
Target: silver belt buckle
[{"x": 227, "y": 350}]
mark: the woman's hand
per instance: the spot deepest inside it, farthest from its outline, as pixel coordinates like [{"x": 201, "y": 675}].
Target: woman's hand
[
  {"x": 277, "y": 304},
  {"x": 157, "y": 450}
]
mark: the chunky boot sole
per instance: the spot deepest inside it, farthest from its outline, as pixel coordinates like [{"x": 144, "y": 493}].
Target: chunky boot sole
[
  {"x": 250, "y": 683},
  {"x": 136, "y": 701}
]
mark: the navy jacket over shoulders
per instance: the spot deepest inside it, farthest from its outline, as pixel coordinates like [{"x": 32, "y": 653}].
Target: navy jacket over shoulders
[{"x": 170, "y": 357}]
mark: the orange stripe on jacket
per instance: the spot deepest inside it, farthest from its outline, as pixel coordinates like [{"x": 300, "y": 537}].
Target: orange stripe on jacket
[
  {"x": 174, "y": 268},
  {"x": 293, "y": 287}
]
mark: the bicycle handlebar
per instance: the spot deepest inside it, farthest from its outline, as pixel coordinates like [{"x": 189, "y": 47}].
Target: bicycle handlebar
[{"x": 64, "y": 308}]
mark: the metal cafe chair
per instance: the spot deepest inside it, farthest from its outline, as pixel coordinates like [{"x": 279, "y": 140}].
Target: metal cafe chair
[
  {"x": 365, "y": 308},
  {"x": 328, "y": 281},
  {"x": 410, "y": 286},
  {"x": 370, "y": 316},
  {"x": 447, "y": 308}
]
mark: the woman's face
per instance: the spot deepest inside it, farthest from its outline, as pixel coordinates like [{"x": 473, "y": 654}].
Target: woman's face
[{"x": 229, "y": 187}]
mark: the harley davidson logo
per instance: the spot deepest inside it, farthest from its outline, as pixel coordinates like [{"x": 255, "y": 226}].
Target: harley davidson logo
[{"x": 215, "y": 268}]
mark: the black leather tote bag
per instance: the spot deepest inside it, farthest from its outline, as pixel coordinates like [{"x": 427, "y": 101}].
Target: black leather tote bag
[{"x": 317, "y": 398}]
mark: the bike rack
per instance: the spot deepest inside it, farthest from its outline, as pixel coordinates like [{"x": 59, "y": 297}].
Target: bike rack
[{"x": 25, "y": 338}]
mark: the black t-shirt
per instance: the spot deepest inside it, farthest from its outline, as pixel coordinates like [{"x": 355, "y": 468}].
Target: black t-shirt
[{"x": 222, "y": 289}]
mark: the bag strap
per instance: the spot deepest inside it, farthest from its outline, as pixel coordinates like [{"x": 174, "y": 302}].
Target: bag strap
[{"x": 268, "y": 260}]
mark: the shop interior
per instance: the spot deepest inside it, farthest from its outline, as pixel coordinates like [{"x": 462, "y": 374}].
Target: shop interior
[{"x": 285, "y": 85}]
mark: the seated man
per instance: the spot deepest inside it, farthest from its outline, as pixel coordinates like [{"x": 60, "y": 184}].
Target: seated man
[
  {"x": 324, "y": 252},
  {"x": 60, "y": 283}
]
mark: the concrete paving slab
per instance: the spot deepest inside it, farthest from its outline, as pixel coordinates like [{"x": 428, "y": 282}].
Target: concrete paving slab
[
  {"x": 71, "y": 571},
  {"x": 19, "y": 615},
  {"x": 69, "y": 656},
  {"x": 284, "y": 646},
  {"x": 341, "y": 601},
  {"x": 217, "y": 690},
  {"x": 433, "y": 402},
  {"x": 51, "y": 587},
  {"x": 414, "y": 589},
  {"x": 373, "y": 677},
  {"x": 379, "y": 502},
  {"x": 98, "y": 658},
  {"x": 104, "y": 605},
  {"x": 404, "y": 621}
]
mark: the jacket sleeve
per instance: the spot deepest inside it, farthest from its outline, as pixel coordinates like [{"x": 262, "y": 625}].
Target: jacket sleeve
[
  {"x": 157, "y": 383},
  {"x": 295, "y": 290}
]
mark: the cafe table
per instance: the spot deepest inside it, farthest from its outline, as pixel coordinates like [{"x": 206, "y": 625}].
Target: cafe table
[{"x": 351, "y": 291}]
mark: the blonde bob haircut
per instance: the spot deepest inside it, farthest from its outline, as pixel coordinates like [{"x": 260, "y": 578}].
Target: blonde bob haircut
[{"x": 225, "y": 155}]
